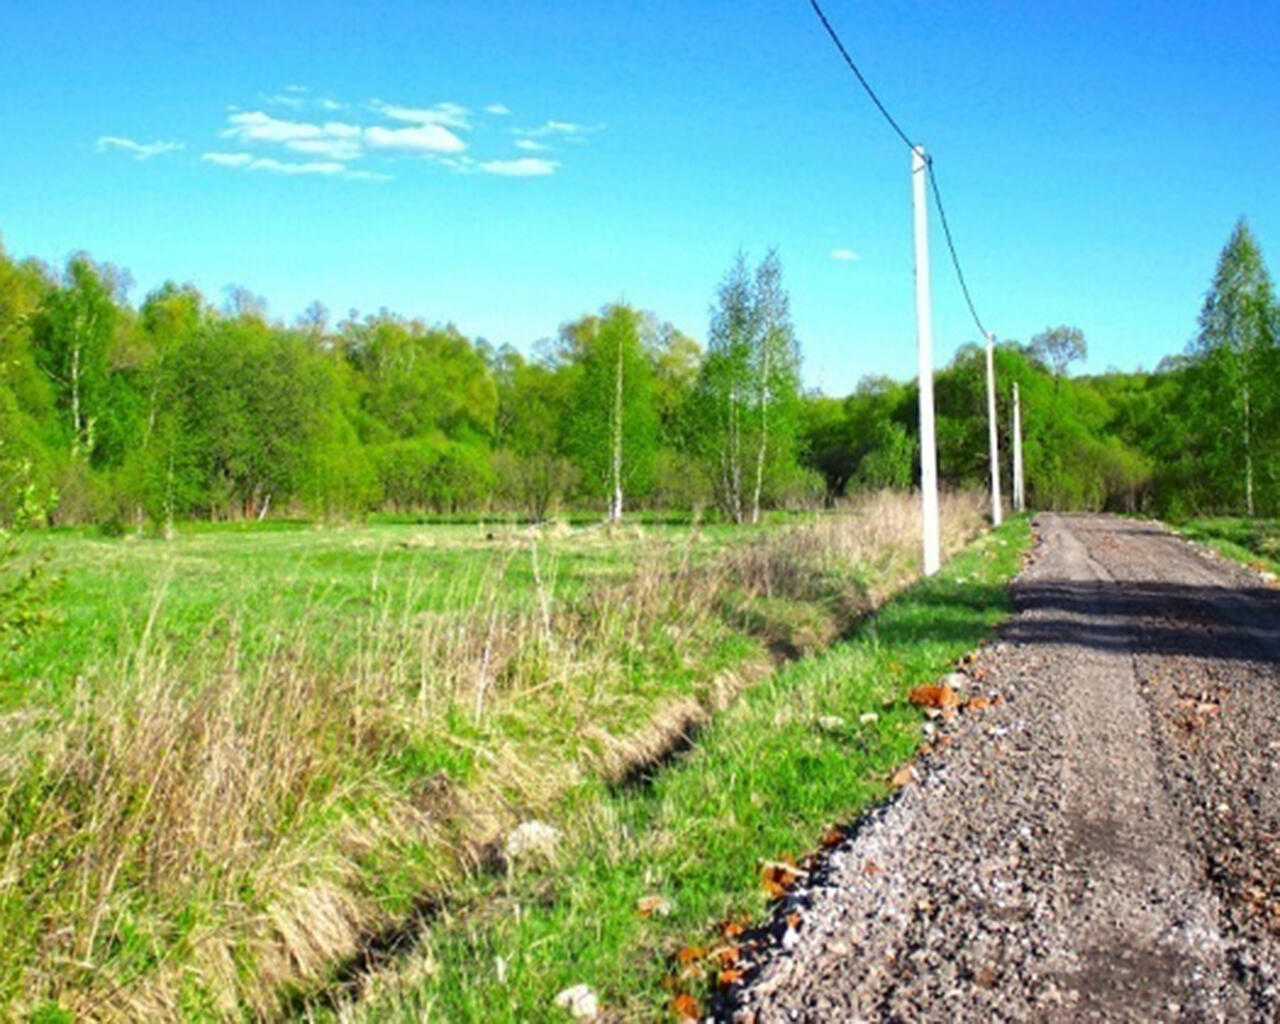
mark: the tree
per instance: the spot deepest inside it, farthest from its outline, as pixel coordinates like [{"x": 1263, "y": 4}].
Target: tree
[
  {"x": 1059, "y": 347},
  {"x": 72, "y": 332},
  {"x": 1235, "y": 347},
  {"x": 748, "y": 391},
  {"x": 614, "y": 425}
]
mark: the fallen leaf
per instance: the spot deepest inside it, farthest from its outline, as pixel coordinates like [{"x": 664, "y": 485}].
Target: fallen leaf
[
  {"x": 872, "y": 868},
  {"x": 690, "y": 954},
  {"x": 728, "y": 956},
  {"x": 793, "y": 920},
  {"x": 685, "y": 1007},
  {"x": 648, "y": 906},
  {"x": 924, "y": 750},
  {"x": 942, "y": 697},
  {"x": 904, "y": 776},
  {"x": 985, "y": 976},
  {"x": 730, "y": 977},
  {"x": 978, "y": 703},
  {"x": 732, "y": 929},
  {"x": 833, "y": 836}
]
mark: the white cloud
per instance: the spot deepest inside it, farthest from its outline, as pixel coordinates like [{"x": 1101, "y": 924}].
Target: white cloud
[
  {"x": 326, "y": 168},
  {"x": 227, "y": 159},
  {"x": 334, "y": 149},
  {"x": 530, "y": 145},
  {"x": 452, "y": 115},
  {"x": 501, "y": 109},
  {"x": 525, "y": 167},
  {"x": 329, "y": 104},
  {"x": 334, "y": 140},
  {"x": 137, "y": 150},
  {"x": 426, "y": 138},
  {"x": 844, "y": 254},
  {"x": 289, "y": 100},
  {"x": 295, "y": 88},
  {"x": 565, "y": 128}
]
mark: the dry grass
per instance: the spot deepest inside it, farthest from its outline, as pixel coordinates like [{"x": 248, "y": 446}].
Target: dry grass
[{"x": 200, "y": 833}]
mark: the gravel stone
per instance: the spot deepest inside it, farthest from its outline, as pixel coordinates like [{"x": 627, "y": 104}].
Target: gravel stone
[{"x": 1100, "y": 843}]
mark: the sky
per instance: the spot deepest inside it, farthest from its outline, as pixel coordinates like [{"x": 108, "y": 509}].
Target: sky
[{"x": 508, "y": 166}]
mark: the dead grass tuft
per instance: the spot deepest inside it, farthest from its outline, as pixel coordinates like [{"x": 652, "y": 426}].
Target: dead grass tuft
[{"x": 203, "y": 832}]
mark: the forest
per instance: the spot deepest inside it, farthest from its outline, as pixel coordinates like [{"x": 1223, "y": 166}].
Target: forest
[{"x": 136, "y": 416}]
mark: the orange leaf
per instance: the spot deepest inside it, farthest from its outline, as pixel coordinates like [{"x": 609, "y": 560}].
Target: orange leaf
[
  {"x": 691, "y": 954},
  {"x": 793, "y": 920},
  {"x": 872, "y": 868},
  {"x": 730, "y": 977},
  {"x": 833, "y": 836},
  {"x": 685, "y": 1007},
  {"x": 934, "y": 697},
  {"x": 728, "y": 955},
  {"x": 732, "y": 929},
  {"x": 978, "y": 703},
  {"x": 904, "y": 776}
]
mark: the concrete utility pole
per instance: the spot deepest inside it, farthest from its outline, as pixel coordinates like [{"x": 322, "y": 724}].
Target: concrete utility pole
[
  {"x": 996, "y": 511},
  {"x": 924, "y": 346},
  {"x": 1019, "y": 495}
]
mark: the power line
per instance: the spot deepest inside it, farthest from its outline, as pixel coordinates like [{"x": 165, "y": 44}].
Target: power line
[
  {"x": 933, "y": 178},
  {"x": 854, "y": 68},
  {"x": 951, "y": 247}
]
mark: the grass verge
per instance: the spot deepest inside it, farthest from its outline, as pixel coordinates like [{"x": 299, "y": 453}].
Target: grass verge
[
  {"x": 791, "y": 756},
  {"x": 209, "y": 820},
  {"x": 1252, "y": 542}
]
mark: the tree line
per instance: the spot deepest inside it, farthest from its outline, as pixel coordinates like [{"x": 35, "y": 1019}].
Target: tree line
[{"x": 181, "y": 408}]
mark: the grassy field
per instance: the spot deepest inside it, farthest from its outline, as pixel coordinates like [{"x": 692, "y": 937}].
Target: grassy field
[
  {"x": 1255, "y": 542},
  {"x": 235, "y": 757}
]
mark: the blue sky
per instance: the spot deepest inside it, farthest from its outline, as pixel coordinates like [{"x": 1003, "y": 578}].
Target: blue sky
[{"x": 511, "y": 165}]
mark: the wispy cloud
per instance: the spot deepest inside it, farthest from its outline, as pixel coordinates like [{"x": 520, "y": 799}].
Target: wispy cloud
[
  {"x": 325, "y": 168},
  {"x": 451, "y": 115},
  {"x": 563, "y": 128},
  {"x": 228, "y": 159},
  {"x": 137, "y": 150},
  {"x": 844, "y": 254},
  {"x": 525, "y": 167},
  {"x": 426, "y": 138},
  {"x": 370, "y": 138}
]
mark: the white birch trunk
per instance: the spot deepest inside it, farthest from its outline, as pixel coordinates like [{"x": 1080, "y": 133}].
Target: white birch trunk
[{"x": 615, "y": 507}]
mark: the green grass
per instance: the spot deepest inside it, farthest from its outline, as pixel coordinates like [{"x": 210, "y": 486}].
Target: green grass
[
  {"x": 1253, "y": 542},
  {"x": 761, "y": 782},
  {"x": 238, "y": 754},
  {"x": 269, "y": 578}
]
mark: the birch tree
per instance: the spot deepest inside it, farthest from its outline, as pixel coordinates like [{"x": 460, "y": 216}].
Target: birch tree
[
  {"x": 1235, "y": 346},
  {"x": 749, "y": 385},
  {"x": 614, "y": 423},
  {"x": 72, "y": 334}
]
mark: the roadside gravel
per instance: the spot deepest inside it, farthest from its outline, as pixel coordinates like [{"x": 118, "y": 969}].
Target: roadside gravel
[{"x": 1100, "y": 843}]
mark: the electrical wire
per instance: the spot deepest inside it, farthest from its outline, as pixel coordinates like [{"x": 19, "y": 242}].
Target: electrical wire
[
  {"x": 933, "y": 178},
  {"x": 951, "y": 247},
  {"x": 854, "y": 68}
]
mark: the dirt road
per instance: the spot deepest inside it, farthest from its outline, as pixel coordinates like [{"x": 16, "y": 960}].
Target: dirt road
[{"x": 1102, "y": 844}]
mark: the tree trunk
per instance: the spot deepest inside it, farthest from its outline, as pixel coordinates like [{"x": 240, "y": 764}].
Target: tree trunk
[
  {"x": 615, "y": 507},
  {"x": 764, "y": 432},
  {"x": 77, "y": 426},
  {"x": 1248, "y": 457}
]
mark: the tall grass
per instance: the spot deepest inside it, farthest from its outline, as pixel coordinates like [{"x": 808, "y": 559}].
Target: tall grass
[{"x": 200, "y": 832}]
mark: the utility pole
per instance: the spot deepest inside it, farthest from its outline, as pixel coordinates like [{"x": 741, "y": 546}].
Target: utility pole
[
  {"x": 1019, "y": 494},
  {"x": 996, "y": 511},
  {"x": 924, "y": 347}
]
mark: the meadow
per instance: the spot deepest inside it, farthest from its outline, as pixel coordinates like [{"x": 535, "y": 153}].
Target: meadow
[{"x": 237, "y": 764}]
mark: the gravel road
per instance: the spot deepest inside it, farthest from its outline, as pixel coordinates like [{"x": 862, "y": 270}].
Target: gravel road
[{"x": 1103, "y": 843}]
